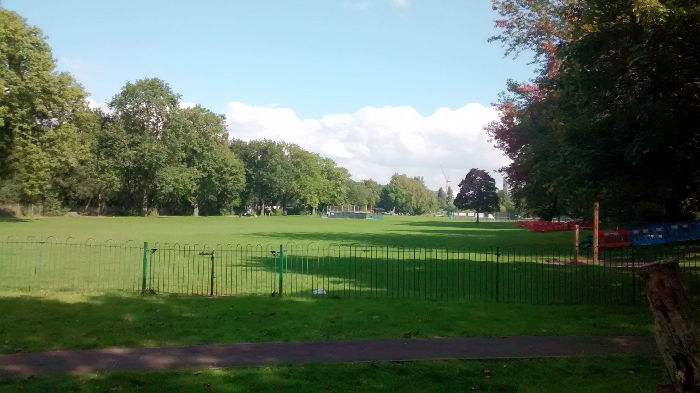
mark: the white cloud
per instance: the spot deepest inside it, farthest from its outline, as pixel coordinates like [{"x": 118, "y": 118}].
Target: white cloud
[
  {"x": 377, "y": 142},
  {"x": 186, "y": 104},
  {"x": 92, "y": 104},
  {"x": 401, "y": 3}
]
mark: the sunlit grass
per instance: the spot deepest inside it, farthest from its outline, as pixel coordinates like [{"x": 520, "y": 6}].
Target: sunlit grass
[
  {"x": 605, "y": 374},
  {"x": 68, "y": 321}
]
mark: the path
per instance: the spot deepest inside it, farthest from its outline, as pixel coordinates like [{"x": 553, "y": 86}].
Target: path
[{"x": 228, "y": 355}]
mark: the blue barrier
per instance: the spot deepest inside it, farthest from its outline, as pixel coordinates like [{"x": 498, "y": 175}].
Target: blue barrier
[{"x": 665, "y": 233}]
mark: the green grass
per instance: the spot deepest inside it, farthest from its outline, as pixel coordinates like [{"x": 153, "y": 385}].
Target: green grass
[
  {"x": 608, "y": 374},
  {"x": 52, "y": 297},
  {"x": 440, "y": 259},
  {"x": 30, "y": 324},
  {"x": 427, "y": 232}
]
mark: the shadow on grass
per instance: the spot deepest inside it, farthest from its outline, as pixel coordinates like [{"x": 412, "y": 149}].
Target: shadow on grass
[
  {"x": 465, "y": 225},
  {"x": 8, "y": 219},
  {"x": 31, "y": 324},
  {"x": 428, "y": 238},
  {"x": 592, "y": 374}
]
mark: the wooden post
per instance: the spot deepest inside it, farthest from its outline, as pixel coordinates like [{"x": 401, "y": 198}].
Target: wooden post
[
  {"x": 576, "y": 242},
  {"x": 596, "y": 212},
  {"x": 675, "y": 325}
]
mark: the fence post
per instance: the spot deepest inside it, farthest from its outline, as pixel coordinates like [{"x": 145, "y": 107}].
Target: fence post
[
  {"x": 145, "y": 265},
  {"x": 281, "y": 268},
  {"x": 498, "y": 255},
  {"x": 596, "y": 213},
  {"x": 211, "y": 279},
  {"x": 576, "y": 241},
  {"x": 37, "y": 269}
]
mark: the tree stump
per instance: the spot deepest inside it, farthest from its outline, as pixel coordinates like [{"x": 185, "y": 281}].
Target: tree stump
[{"x": 675, "y": 325}]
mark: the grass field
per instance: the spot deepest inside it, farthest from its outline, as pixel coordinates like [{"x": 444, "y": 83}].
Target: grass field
[
  {"x": 422, "y": 232},
  {"x": 29, "y": 324},
  {"x": 436, "y": 259},
  {"x": 604, "y": 375},
  {"x": 385, "y": 279}
]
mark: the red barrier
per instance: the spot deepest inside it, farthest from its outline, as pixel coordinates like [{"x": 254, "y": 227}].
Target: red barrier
[
  {"x": 550, "y": 226},
  {"x": 615, "y": 239}
]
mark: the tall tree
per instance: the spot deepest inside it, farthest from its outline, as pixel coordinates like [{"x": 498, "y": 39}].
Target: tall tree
[
  {"x": 442, "y": 198},
  {"x": 477, "y": 191},
  {"x": 615, "y": 119},
  {"x": 202, "y": 172},
  {"x": 144, "y": 109},
  {"x": 407, "y": 195},
  {"x": 265, "y": 169},
  {"x": 43, "y": 118}
]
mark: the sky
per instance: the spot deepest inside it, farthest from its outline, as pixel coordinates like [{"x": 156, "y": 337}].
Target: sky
[{"x": 380, "y": 86}]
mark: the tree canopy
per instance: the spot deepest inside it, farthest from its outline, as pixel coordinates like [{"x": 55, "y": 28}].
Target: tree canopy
[
  {"x": 477, "y": 191},
  {"x": 407, "y": 195},
  {"x": 148, "y": 155},
  {"x": 614, "y": 115}
]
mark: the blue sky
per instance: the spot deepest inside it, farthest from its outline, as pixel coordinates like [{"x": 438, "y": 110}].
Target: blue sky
[{"x": 277, "y": 65}]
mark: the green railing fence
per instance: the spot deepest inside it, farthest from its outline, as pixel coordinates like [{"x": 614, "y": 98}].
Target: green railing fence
[{"x": 493, "y": 274}]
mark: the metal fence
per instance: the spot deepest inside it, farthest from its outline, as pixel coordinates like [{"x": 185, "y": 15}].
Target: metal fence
[{"x": 494, "y": 274}]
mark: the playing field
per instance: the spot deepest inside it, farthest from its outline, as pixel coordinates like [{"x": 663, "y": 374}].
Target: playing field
[
  {"x": 421, "y": 232},
  {"x": 399, "y": 257}
]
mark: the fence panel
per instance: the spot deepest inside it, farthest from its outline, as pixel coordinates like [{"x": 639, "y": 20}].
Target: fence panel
[{"x": 492, "y": 275}]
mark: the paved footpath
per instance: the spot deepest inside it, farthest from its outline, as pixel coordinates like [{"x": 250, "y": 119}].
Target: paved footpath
[{"x": 228, "y": 355}]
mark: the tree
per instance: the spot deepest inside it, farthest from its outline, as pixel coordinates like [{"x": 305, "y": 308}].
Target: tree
[
  {"x": 613, "y": 117},
  {"x": 143, "y": 110},
  {"x": 450, "y": 199},
  {"x": 407, "y": 195},
  {"x": 393, "y": 198},
  {"x": 363, "y": 193},
  {"x": 477, "y": 192},
  {"x": 505, "y": 202},
  {"x": 334, "y": 183},
  {"x": 44, "y": 120},
  {"x": 442, "y": 198},
  {"x": 265, "y": 170},
  {"x": 202, "y": 172}
]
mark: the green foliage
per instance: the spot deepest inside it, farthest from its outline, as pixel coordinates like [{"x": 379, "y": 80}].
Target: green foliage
[
  {"x": 407, "y": 195},
  {"x": 442, "y": 198},
  {"x": 363, "y": 193},
  {"x": 148, "y": 153},
  {"x": 477, "y": 191},
  {"x": 505, "y": 202},
  {"x": 202, "y": 172},
  {"x": 615, "y": 117},
  {"x": 144, "y": 111},
  {"x": 44, "y": 120}
]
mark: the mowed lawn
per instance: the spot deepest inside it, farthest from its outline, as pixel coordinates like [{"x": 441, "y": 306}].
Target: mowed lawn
[
  {"x": 417, "y": 257},
  {"x": 41, "y": 319},
  {"x": 589, "y": 375},
  {"x": 401, "y": 231}
]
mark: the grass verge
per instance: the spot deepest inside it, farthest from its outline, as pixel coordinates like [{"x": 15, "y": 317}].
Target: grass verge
[
  {"x": 607, "y": 374},
  {"x": 30, "y": 324}
]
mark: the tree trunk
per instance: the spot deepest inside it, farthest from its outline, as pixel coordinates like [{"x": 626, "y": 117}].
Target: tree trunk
[
  {"x": 99, "y": 202},
  {"x": 477, "y": 217},
  {"x": 144, "y": 204},
  {"x": 675, "y": 325},
  {"x": 313, "y": 210},
  {"x": 262, "y": 210},
  {"x": 196, "y": 209}
]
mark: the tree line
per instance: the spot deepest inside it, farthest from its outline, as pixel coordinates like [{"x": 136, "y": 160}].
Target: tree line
[{"x": 148, "y": 155}]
